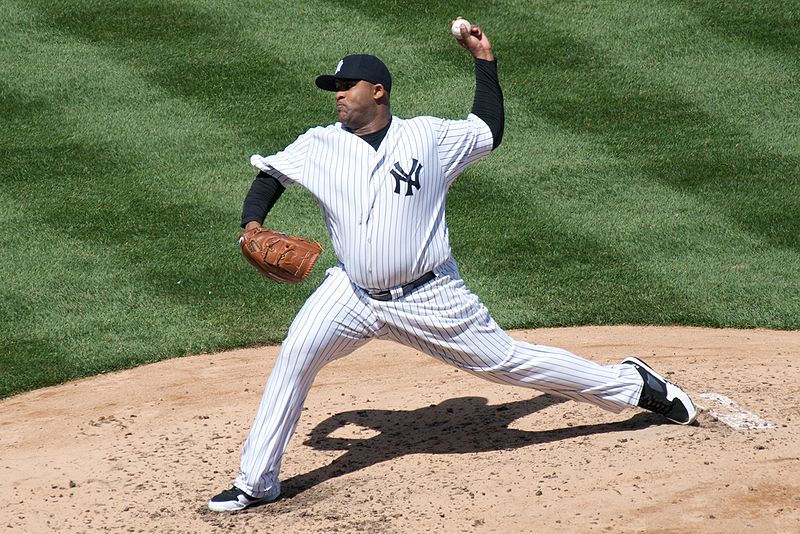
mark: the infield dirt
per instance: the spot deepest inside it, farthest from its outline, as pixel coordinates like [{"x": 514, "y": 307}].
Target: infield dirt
[{"x": 394, "y": 441}]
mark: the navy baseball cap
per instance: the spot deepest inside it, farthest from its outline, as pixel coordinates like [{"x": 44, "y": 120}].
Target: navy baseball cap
[{"x": 357, "y": 67}]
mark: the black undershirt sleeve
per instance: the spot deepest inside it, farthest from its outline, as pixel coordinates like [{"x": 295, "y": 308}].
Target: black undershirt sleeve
[
  {"x": 488, "y": 103},
  {"x": 264, "y": 192}
]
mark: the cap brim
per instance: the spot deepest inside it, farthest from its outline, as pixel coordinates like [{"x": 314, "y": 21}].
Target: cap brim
[{"x": 326, "y": 82}]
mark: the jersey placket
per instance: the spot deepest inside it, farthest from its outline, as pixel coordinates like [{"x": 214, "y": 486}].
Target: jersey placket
[{"x": 370, "y": 231}]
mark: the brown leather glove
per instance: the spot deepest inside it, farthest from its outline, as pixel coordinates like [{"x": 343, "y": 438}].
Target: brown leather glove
[{"x": 279, "y": 257}]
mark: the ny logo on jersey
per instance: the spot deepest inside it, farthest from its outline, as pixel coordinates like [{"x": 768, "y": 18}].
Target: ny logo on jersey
[{"x": 411, "y": 178}]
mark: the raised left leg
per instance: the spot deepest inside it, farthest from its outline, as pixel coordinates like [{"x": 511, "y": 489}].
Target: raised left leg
[{"x": 447, "y": 321}]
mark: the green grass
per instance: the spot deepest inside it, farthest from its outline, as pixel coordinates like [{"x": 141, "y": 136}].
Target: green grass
[{"x": 650, "y": 171}]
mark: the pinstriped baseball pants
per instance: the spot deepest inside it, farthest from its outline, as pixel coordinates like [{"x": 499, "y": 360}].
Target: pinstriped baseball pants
[{"x": 441, "y": 318}]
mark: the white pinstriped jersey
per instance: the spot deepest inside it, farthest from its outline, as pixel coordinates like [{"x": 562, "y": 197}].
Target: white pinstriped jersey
[{"x": 384, "y": 209}]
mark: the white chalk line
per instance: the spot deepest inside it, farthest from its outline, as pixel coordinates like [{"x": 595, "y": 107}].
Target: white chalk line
[{"x": 726, "y": 410}]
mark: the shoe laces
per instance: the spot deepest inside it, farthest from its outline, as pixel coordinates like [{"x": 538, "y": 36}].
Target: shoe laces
[{"x": 654, "y": 404}]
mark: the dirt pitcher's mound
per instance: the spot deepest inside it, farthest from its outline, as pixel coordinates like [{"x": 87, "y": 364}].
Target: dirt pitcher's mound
[{"x": 394, "y": 441}]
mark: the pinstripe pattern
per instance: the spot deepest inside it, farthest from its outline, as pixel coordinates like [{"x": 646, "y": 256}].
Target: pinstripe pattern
[
  {"x": 443, "y": 319},
  {"x": 384, "y": 238},
  {"x": 467, "y": 337},
  {"x": 331, "y": 324}
]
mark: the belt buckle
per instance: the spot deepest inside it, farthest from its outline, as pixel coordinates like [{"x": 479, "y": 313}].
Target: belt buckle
[
  {"x": 380, "y": 294},
  {"x": 403, "y": 290}
]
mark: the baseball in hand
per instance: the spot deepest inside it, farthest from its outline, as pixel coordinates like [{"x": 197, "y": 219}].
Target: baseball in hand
[{"x": 455, "y": 29}]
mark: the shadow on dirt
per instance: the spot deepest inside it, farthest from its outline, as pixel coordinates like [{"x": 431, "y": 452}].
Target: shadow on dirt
[{"x": 462, "y": 425}]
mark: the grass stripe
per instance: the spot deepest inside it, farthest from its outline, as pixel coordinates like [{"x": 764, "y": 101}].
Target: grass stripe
[{"x": 649, "y": 172}]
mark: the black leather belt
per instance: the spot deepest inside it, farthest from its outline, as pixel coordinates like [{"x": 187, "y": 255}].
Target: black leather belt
[{"x": 405, "y": 289}]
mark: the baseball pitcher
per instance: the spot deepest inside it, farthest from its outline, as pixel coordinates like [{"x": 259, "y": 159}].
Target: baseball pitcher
[{"x": 381, "y": 182}]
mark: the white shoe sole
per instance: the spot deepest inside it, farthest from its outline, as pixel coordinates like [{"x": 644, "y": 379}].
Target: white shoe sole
[{"x": 235, "y": 506}]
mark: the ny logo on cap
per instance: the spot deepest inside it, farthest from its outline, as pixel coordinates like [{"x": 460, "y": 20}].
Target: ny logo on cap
[{"x": 339, "y": 66}]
